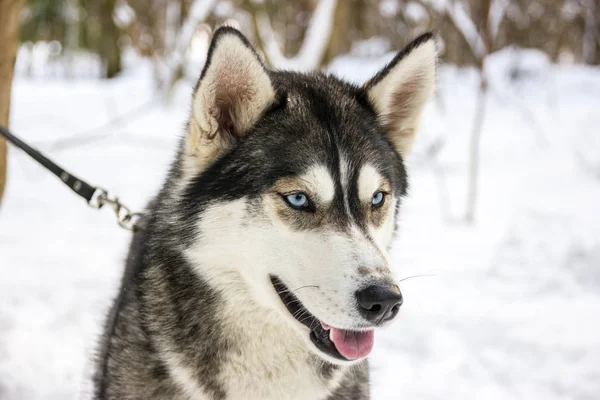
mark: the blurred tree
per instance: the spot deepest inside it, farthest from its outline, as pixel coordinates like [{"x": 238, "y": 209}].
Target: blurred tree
[
  {"x": 103, "y": 34},
  {"x": 561, "y": 28},
  {"x": 77, "y": 25},
  {"x": 147, "y": 28},
  {"x": 487, "y": 38},
  {"x": 43, "y": 20},
  {"x": 10, "y": 11},
  {"x": 315, "y": 38}
]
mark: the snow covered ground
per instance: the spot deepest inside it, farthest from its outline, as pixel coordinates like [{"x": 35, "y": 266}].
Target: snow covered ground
[{"x": 513, "y": 311}]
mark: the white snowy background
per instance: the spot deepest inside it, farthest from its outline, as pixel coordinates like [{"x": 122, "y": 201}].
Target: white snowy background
[{"x": 512, "y": 310}]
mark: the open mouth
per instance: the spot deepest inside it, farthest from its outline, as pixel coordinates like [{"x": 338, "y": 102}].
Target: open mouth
[{"x": 341, "y": 344}]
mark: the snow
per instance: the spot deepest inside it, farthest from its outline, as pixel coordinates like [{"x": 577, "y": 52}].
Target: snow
[
  {"x": 47, "y": 60},
  {"x": 513, "y": 308},
  {"x": 375, "y": 46}
]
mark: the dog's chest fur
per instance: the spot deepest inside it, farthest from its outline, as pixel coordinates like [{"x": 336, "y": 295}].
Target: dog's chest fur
[{"x": 273, "y": 364}]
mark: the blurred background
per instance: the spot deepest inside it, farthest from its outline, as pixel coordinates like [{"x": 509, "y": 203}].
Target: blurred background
[{"x": 503, "y": 216}]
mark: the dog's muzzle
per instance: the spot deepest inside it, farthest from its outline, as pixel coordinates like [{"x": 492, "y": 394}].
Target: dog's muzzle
[{"x": 378, "y": 304}]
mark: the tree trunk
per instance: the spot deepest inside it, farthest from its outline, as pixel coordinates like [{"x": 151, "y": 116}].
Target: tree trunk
[
  {"x": 591, "y": 36},
  {"x": 109, "y": 43},
  {"x": 10, "y": 11},
  {"x": 473, "y": 186}
]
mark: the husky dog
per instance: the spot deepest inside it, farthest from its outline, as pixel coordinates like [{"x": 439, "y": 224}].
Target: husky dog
[{"x": 262, "y": 271}]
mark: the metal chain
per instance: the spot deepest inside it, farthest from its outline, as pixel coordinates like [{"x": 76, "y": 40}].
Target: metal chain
[{"x": 125, "y": 218}]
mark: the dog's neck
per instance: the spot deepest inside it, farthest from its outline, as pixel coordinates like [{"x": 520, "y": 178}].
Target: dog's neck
[
  {"x": 272, "y": 360},
  {"x": 255, "y": 353}
]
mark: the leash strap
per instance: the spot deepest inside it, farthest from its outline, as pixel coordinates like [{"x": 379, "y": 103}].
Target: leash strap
[
  {"x": 95, "y": 197},
  {"x": 81, "y": 187}
]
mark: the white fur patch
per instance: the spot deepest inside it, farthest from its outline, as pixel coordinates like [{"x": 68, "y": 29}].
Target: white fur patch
[
  {"x": 345, "y": 180},
  {"x": 344, "y": 171},
  {"x": 369, "y": 181},
  {"x": 384, "y": 234},
  {"x": 320, "y": 182},
  {"x": 184, "y": 377}
]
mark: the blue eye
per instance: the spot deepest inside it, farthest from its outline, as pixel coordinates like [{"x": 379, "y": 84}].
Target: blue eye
[
  {"x": 297, "y": 200},
  {"x": 378, "y": 199}
]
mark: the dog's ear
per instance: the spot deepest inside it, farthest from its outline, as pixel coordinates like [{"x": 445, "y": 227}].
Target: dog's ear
[
  {"x": 232, "y": 93},
  {"x": 400, "y": 91}
]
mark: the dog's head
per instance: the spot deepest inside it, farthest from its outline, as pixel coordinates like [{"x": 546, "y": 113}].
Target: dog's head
[{"x": 295, "y": 182}]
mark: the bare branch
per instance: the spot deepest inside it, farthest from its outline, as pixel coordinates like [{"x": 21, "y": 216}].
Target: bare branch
[
  {"x": 497, "y": 13},
  {"x": 168, "y": 67},
  {"x": 314, "y": 45},
  {"x": 464, "y": 25}
]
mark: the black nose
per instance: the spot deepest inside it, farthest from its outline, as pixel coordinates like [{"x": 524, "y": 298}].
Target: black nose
[{"x": 379, "y": 303}]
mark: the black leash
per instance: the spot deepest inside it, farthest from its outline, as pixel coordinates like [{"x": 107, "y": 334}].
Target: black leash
[{"x": 95, "y": 197}]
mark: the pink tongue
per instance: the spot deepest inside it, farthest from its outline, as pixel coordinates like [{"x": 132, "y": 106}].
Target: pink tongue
[{"x": 352, "y": 345}]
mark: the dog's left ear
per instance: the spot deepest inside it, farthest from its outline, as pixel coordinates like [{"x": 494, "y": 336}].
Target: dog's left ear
[
  {"x": 232, "y": 93},
  {"x": 400, "y": 91}
]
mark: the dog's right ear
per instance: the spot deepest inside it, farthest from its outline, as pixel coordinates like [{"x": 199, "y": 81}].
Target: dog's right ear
[
  {"x": 400, "y": 91},
  {"x": 232, "y": 93}
]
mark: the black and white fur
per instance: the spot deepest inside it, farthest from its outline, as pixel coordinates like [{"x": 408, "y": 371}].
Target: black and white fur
[{"x": 197, "y": 315}]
